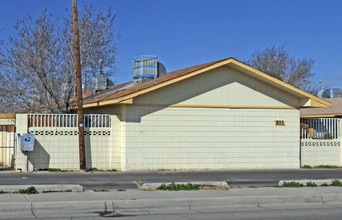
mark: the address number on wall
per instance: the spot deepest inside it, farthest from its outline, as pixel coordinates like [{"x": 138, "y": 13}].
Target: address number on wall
[{"x": 279, "y": 122}]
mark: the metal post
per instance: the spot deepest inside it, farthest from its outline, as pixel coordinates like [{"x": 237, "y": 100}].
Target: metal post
[
  {"x": 26, "y": 161},
  {"x": 79, "y": 89}
]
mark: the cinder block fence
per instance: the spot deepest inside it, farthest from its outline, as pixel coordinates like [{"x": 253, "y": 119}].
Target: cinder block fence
[
  {"x": 56, "y": 144},
  {"x": 56, "y": 141},
  {"x": 321, "y": 141}
]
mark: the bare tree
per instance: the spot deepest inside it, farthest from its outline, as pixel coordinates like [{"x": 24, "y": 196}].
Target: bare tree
[
  {"x": 276, "y": 62},
  {"x": 38, "y": 68},
  {"x": 3, "y": 87},
  {"x": 31, "y": 64},
  {"x": 97, "y": 42},
  {"x": 1, "y": 50}
]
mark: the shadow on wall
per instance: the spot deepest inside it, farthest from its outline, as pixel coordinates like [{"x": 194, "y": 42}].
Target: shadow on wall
[
  {"x": 87, "y": 144},
  {"x": 39, "y": 158}
]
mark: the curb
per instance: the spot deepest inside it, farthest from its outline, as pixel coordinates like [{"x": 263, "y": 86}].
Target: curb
[
  {"x": 41, "y": 188},
  {"x": 41, "y": 208},
  {"x": 202, "y": 185},
  {"x": 319, "y": 182}
]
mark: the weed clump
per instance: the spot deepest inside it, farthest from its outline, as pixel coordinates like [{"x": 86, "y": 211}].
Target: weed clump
[
  {"x": 94, "y": 169},
  {"x": 311, "y": 184},
  {"x": 292, "y": 184},
  {"x": 320, "y": 166},
  {"x": 28, "y": 190},
  {"x": 336, "y": 183},
  {"x": 58, "y": 170},
  {"x": 177, "y": 187},
  {"x": 327, "y": 166},
  {"x": 101, "y": 190}
]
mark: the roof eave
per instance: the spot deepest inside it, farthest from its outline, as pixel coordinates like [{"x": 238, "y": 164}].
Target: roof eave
[{"x": 312, "y": 101}]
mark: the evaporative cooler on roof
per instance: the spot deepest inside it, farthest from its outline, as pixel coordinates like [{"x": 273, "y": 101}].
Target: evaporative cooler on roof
[
  {"x": 99, "y": 83},
  {"x": 330, "y": 93},
  {"x": 145, "y": 68}
]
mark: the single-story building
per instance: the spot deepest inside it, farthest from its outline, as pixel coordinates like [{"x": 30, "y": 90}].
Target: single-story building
[{"x": 219, "y": 115}]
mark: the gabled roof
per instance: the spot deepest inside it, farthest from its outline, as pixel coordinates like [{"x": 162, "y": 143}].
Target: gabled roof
[
  {"x": 334, "y": 111},
  {"x": 126, "y": 95}
]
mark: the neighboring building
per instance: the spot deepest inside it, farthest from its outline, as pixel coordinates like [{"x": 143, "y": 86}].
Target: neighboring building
[
  {"x": 335, "y": 111},
  {"x": 219, "y": 115},
  {"x": 321, "y": 134}
]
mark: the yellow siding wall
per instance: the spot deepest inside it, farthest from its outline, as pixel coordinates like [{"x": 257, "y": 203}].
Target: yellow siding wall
[
  {"x": 107, "y": 109},
  {"x": 222, "y": 86},
  {"x": 210, "y": 138}
]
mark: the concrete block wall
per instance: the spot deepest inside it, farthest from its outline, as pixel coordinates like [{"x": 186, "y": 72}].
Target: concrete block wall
[
  {"x": 21, "y": 127},
  {"x": 115, "y": 143},
  {"x": 57, "y": 147},
  {"x": 320, "y": 152},
  {"x": 210, "y": 138},
  {"x": 99, "y": 149},
  {"x": 7, "y": 121},
  {"x": 315, "y": 152}
]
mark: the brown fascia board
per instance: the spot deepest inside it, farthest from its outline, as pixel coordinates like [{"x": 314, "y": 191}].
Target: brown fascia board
[{"x": 98, "y": 96}]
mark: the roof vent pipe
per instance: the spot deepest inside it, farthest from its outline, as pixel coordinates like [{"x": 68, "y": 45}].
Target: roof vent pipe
[{"x": 100, "y": 83}]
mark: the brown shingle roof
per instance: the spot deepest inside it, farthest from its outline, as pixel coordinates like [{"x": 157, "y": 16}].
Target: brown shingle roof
[
  {"x": 102, "y": 95},
  {"x": 124, "y": 94},
  {"x": 151, "y": 83},
  {"x": 334, "y": 110}
]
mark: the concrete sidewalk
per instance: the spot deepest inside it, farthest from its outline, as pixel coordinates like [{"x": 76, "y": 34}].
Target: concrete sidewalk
[{"x": 137, "y": 200}]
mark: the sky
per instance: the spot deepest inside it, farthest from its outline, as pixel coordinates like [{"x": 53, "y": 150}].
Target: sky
[{"x": 185, "y": 33}]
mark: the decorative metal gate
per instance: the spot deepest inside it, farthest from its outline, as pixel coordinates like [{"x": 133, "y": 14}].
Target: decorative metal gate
[{"x": 7, "y": 134}]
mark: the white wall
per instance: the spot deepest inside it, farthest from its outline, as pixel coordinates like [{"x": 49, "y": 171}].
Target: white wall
[
  {"x": 57, "y": 147},
  {"x": 315, "y": 152},
  {"x": 210, "y": 138},
  {"x": 321, "y": 152},
  {"x": 7, "y": 121}
]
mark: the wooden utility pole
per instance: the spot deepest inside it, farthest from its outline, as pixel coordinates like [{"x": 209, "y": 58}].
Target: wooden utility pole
[{"x": 79, "y": 88}]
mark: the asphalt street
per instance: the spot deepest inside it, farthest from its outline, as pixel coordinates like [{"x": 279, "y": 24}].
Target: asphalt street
[{"x": 124, "y": 180}]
